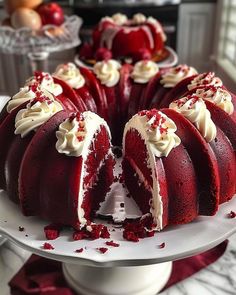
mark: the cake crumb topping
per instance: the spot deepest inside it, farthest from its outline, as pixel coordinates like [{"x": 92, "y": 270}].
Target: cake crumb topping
[
  {"x": 232, "y": 214},
  {"x": 48, "y": 246},
  {"x": 52, "y": 231},
  {"x": 160, "y": 131},
  {"x": 112, "y": 244},
  {"x": 162, "y": 245},
  {"x": 91, "y": 232},
  {"x": 102, "y": 250},
  {"x": 79, "y": 250}
]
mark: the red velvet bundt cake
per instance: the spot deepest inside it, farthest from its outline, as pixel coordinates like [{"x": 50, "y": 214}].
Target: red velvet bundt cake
[
  {"x": 119, "y": 37},
  {"x": 178, "y": 158}
]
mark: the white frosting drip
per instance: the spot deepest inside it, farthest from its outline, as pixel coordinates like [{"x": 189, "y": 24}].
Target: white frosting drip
[
  {"x": 149, "y": 35},
  {"x": 139, "y": 18},
  {"x": 70, "y": 139},
  {"x": 218, "y": 96},
  {"x": 119, "y": 19},
  {"x": 46, "y": 82},
  {"x": 143, "y": 71},
  {"x": 92, "y": 125},
  {"x": 177, "y": 74},
  {"x": 106, "y": 19},
  {"x": 159, "y": 141},
  {"x": 205, "y": 79},
  {"x": 108, "y": 72},
  {"x": 157, "y": 26},
  {"x": 25, "y": 94},
  {"x": 35, "y": 115},
  {"x": 194, "y": 109},
  {"x": 108, "y": 36},
  {"x": 70, "y": 74}
]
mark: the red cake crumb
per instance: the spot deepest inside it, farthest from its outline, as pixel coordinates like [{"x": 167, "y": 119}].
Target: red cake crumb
[
  {"x": 162, "y": 245},
  {"x": 21, "y": 228},
  {"x": 113, "y": 244},
  {"x": 138, "y": 229},
  {"x": 130, "y": 236},
  {"x": 48, "y": 246},
  {"x": 232, "y": 214},
  {"x": 79, "y": 250},
  {"x": 102, "y": 250},
  {"x": 92, "y": 232},
  {"x": 52, "y": 231}
]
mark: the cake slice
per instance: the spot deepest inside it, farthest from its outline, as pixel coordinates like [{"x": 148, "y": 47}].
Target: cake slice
[
  {"x": 73, "y": 172},
  {"x": 162, "y": 150}
]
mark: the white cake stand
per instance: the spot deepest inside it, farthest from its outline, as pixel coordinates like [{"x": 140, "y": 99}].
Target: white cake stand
[{"x": 141, "y": 268}]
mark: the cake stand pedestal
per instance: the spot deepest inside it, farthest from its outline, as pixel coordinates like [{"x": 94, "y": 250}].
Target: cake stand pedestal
[
  {"x": 129, "y": 280},
  {"x": 140, "y": 268}
]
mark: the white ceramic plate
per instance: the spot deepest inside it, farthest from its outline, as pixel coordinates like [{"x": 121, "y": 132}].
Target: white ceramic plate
[
  {"x": 170, "y": 61},
  {"x": 181, "y": 241}
]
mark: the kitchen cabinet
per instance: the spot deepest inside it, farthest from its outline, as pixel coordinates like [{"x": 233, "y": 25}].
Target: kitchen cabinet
[{"x": 196, "y": 34}]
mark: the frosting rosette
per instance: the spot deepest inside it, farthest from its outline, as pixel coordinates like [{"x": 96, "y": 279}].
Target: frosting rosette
[
  {"x": 37, "y": 112},
  {"x": 143, "y": 71},
  {"x": 70, "y": 74},
  {"x": 205, "y": 79},
  {"x": 177, "y": 74},
  {"x": 139, "y": 18},
  {"x": 70, "y": 137},
  {"x": 194, "y": 109},
  {"x": 119, "y": 18},
  {"x": 217, "y": 95},
  {"x": 45, "y": 80},
  {"x": 107, "y": 72},
  {"x": 25, "y": 94},
  {"x": 160, "y": 131}
]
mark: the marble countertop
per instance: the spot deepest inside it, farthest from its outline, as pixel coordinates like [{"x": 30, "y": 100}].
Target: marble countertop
[{"x": 217, "y": 279}]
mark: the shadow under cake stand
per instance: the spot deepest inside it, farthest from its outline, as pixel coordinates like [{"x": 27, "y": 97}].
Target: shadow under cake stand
[{"x": 141, "y": 268}]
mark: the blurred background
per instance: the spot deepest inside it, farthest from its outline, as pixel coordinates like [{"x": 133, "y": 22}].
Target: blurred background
[{"x": 203, "y": 33}]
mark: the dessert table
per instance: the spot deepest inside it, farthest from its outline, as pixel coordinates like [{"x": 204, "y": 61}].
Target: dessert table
[{"x": 217, "y": 279}]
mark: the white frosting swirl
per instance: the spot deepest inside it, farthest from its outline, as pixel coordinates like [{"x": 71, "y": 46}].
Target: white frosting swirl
[
  {"x": 70, "y": 74},
  {"x": 194, "y": 109},
  {"x": 119, "y": 18},
  {"x": 45, "y": 80},
  {"x": 218, "y": 96},
  {"x": 160, "y": 131},
  {"x": 70, "y": 137},
  {"x": 139, "y": 18},
  {"x": 25, "y": 94},
  {"x": 107, "y": 72},
  {"x": 205, "y": 79},
  {"x": 177, "y": 74},
  {"x": 35, "y": 115},
  {"x": 144, "y": 70}
]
